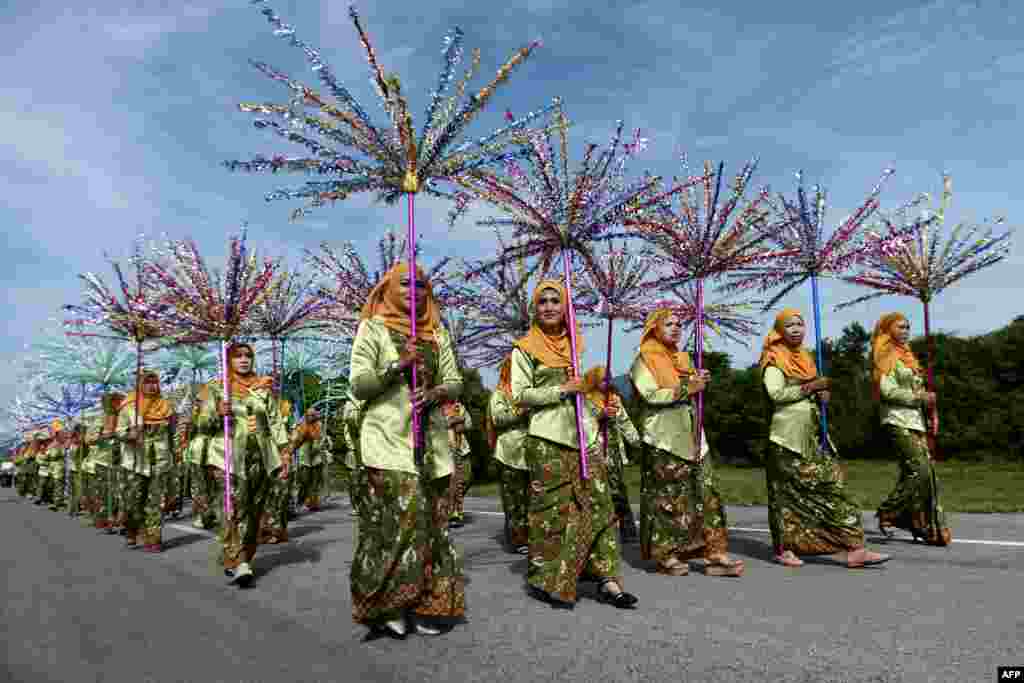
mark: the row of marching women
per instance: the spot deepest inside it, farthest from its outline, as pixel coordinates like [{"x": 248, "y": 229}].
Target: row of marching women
[
  {"x": 125, "y": 462},
  {"x": 406, "y": 444},
  {"x": 407, "y": 573}
]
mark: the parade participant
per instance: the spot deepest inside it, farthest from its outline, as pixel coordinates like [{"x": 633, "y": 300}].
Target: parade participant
[
  {"x": 106, "y": 450},
  {"x": 43, "y": 484},
  {"x": 56, "y": 467},
  {"x": 899, "y": 388},
  {"x": 459, "y": 424},
  {"x": 146, "y": 425},
  {"x": 278, "y": 509},
  {"x": 200, "y": 484},
  {"x": 259, "y": 443},
  {"x": 621, "y": 432},
  {"x": 76, "y": 446},
  {"x": 506, "y": 432},
  {"x": 571, "y": 520},
  {"x": 405, "y": 567},
  {"x": 682, "y": 516},
  {"x": 351, "y": 416},
  {"x": 809, "y": 511},
  {"x": 91, "y": 500},
  {"x": 312, "y": 445}
]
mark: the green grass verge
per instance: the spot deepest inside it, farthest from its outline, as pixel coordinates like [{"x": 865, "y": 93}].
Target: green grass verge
[{"x": 965, "y": 486}]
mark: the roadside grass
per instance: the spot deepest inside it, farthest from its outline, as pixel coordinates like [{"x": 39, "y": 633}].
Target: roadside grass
[{"x": 965, "y": 486}]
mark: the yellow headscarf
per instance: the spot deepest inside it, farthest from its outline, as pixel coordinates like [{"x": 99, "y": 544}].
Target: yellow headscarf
[
  {"x": 795, "y": 362},
  {"x": 666, "y": 362},
  {"x": 553, "y": 351},
  {"x": 385, "y": 303},
  {"x": 153, "y": 409},
  {"x": 885, "y": 351},
  {"x": 593, "y": 388}
]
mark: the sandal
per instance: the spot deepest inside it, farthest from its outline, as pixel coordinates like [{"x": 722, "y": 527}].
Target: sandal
[
  {"x": 621, "y": 600},
  {"x": 546, "y": 597},
  {"x": 674, "y": 567},
  {"x": 884, "y": 530},
  {"x": 522, "y": 550},
  {"x": 867, "y": 558},
  {"x": 723, "y": 566},
  {"x": 788, "y": 559}
]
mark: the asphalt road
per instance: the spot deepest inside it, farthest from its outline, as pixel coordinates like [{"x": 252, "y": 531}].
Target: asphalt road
[{"x": 78, "y": 606}]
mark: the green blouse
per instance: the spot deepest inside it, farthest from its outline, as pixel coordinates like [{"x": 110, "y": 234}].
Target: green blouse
[
  {"x": 511, "y": 426},
  {"x": 795, "y": 416},
  {"x": 900, "y": 405},
  {"x": 385, "y": 433},
  {"x": 666, "y": 423}
]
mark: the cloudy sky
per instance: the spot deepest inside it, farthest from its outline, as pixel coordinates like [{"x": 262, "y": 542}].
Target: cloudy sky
[{"x": 115, "y": 121}]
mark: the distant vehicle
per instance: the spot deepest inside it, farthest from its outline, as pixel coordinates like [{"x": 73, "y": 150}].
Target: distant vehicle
[{"x": 6, "y": 474}]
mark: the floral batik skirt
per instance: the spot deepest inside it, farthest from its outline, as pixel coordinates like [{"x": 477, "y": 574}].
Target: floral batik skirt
[
  {"x": 572, "y": 529},
  {"x": 681, "y": 512},
  {"x": 914, "y": 504},
  {"x": 809, "y": 511},
  {"x": 404, "y": 559},
  {"x": 515, "y": 501}
]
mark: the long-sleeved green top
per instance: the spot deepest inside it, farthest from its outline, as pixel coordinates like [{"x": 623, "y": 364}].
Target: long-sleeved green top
[
  {"x": 900, "y": 405},
  {"x": 620, "y": 429},
  {"x": 268, "y": 438},
  {"x": 54, "y": 460},
  {"x": 351, "y": 415},
  {"x": 665, "y": 423},
  {"x": 795, "y": 416},
  {"x": 537, "y": 388},
  {"x": 385, "y": 433},
  {"x": 511, "y": 426},
  {"x": 155, "y": 455},
  {"x": 313, "y": 453},
  {"x": 95, "y": 453}
]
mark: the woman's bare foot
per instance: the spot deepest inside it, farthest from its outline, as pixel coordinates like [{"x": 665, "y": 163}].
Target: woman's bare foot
[{"x": 860, "y": 557}]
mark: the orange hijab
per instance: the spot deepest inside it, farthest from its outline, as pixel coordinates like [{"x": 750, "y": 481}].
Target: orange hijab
[
  {"x": 153, "y": 409},
  {"x": 386, "y": 304},
  {"x": 795, "y": 362},
  {"x": 553, "y": 351},
  {"x": 666, "y": 362},
  {"x": 593, "y": 388},
  {"x": 885, "y": 351},
  {"x": 240, "y": 384}
]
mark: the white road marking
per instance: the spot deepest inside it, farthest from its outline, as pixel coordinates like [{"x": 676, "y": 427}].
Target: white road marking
[{"x": 756, "y": 530}]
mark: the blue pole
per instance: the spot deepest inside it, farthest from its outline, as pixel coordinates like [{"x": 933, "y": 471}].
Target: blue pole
[{"x": 820, "y": 357}]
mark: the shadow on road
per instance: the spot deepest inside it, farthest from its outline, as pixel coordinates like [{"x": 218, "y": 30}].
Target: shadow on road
[
  {"x": 180, "y": 541},
  {"x": 284, "y": 554},
  {"x": 304, "y": 530}
]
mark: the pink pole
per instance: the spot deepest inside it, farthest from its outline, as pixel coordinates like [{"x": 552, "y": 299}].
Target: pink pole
[
  {"x": 584, "y": 470},
  {"x": 411, "y": 242},
  {"x": 228, "y": 445},
  {"x": 607, "y": 388},
  {"x": 700, "y": 364},
  {"x": 931, "y": 367}
]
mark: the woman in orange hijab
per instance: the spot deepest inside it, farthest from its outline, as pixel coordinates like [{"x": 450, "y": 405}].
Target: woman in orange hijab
[
  {"x": 681, "y": 512},
  {"x": 260, "y": 452},
  {"x": 147, "y": 453},
  {"x": 809, "y": 512},
  {"x": 406, "y": 572},
  {"x": 506, "y": 431},
  {"x": 899, "y": 388},
  {"x": 572, "y": 530}
]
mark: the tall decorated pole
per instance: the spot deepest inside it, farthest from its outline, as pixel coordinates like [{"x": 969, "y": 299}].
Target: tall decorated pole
[
  {"x": 207, "y": 307},
  {"x": 394, "y": 163},
  {"x": 555, "y": 216},
  {"x": 616, "y": 282},
  {"x": 921, "y": 266},
  {"x": 815, "y": 254},
  {"x": 703, "y": 240},
  {"x": 136, "y": 317}
]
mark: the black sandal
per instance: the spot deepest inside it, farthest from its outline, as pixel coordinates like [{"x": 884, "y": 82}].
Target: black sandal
[
  {"x": 621, "y": 600},
  {"x": 522, "y": 550},
  {"x": 546, "y": 597}
]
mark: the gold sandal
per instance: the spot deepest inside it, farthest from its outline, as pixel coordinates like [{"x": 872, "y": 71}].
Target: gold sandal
[
  {"x": 674, "y": 567},
  {"x": 723, "y": 566}
]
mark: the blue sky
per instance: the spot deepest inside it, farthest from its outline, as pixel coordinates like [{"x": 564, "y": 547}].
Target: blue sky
[{"x": 115, "y": 121}]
